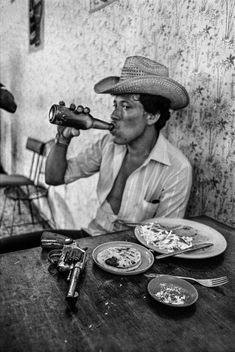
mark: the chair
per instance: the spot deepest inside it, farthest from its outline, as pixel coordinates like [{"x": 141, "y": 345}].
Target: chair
[{"x": 19, "y": 188}]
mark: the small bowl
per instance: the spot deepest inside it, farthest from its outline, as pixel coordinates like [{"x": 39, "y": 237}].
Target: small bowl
[{"x": 172, "y": 291}]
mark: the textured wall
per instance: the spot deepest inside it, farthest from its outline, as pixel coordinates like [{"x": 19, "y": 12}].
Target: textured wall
[{"x": 194, "y": 38}]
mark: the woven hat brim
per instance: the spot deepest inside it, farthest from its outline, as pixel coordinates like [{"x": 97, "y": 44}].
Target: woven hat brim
[{"x": 154, "y": 85}]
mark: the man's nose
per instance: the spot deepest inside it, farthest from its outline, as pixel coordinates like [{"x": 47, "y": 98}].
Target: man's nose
[{"x": 116, "y": 115}]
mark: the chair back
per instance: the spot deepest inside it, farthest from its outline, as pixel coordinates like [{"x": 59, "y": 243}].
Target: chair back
[{"x": 37, "y": 147}]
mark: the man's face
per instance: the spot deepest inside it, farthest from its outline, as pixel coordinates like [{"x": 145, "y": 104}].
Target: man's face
[{"x": 128, "y": 117}]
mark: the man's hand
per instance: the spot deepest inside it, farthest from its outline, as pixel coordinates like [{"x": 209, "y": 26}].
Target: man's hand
[{"x": 68, "y": 132}]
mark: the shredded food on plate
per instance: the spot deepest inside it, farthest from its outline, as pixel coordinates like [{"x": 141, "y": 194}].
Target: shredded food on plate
[{"x": 164, "y": 238}]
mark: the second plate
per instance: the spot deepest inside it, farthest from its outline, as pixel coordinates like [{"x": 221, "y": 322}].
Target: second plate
[{"x": 146, "y": 257}]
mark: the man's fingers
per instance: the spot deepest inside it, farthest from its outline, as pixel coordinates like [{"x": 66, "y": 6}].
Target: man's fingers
[
  {"x": 68, "y": 132},
  {"x": 75, "y": 132}
]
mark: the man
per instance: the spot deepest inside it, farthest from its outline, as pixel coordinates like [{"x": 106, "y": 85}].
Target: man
[
  {"x": 7, "y": 101},
  {"x": 141, "y": 175}
]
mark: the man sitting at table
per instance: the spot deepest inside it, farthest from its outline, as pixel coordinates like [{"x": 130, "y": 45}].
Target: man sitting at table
[{"x": 141, "y": 175}]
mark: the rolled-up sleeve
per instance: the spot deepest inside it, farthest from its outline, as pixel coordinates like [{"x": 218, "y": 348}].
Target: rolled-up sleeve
[{"x": 84, "y": 164}]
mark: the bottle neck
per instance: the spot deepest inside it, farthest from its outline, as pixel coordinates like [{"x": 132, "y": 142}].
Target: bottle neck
[{"x": 101, "y": 125}]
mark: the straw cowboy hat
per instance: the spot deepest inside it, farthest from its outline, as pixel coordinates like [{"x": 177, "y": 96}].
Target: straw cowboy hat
[{"x": 142, "y": 75}]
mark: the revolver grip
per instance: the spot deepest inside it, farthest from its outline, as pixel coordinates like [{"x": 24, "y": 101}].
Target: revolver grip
[{"x": 51, "y": 240}]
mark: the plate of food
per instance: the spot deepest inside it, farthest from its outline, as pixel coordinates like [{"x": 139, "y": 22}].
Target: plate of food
[
  {"x": 165, "y": 235},
  {"x": 123, "y": 258},
  {"x": 172, "y": 291}
]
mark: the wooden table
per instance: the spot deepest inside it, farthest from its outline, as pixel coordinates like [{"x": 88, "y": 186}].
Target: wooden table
[{"x": 114, "y": 313}]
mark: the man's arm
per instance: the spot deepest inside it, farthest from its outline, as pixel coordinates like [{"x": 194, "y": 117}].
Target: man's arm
[{"x": 56, "y": 163}]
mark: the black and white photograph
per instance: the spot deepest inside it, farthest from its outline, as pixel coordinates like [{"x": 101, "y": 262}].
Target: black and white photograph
[{"x": 117, "y": 175}]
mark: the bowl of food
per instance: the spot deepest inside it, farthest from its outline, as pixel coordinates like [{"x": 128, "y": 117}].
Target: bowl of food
[{"x": 172, "y": 291}]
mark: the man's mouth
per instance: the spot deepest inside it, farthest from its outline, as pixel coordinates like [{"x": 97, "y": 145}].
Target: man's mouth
[
  {"x": 114, "y": 126},
  {"x": 114, "y": 130}
]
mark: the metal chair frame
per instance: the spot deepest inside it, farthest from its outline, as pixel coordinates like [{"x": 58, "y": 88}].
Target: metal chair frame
[{"x": 27, "y": 189}]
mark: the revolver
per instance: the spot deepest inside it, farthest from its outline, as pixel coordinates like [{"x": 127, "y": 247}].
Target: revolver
[{"x": 67, "y": 256}]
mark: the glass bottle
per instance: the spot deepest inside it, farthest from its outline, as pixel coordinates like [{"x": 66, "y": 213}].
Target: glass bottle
[{"x": 79, "y": 118}]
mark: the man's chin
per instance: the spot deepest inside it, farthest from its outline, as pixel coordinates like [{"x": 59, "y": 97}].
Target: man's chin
[{"x": 117, "y": 140}]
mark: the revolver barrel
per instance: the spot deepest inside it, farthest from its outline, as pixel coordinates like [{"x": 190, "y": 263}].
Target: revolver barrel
[
  {"x": 75, "y": 273},
  {"x": 73, "y": 283}
]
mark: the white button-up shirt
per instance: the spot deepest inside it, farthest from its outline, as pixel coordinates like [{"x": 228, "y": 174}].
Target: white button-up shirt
[{"x": 160, "y": 187}]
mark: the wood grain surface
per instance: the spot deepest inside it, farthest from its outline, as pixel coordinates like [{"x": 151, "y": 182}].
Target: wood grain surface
[{"x": 113, "y": 313}]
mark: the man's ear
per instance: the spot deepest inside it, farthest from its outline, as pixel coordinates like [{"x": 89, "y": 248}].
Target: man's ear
[{"x": 152, "y": 118}]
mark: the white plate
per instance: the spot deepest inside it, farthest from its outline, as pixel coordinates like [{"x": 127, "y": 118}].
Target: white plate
[
  {"x": 155, "y": 286},
  {"x": 206, "y": 232},
  {"x": 146, "y": 256}
]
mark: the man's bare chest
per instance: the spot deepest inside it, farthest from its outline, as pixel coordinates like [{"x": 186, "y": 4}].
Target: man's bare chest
[{"x": 128, "y": 167}]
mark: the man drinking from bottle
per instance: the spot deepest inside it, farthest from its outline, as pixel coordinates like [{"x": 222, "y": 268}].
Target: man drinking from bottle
[{"x": 141, "y": 174}]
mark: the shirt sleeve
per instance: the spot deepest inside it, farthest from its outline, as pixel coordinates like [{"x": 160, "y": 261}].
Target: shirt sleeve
[
  {"x": 86, "y": 163},
  {"x": 175, "y": 194}
]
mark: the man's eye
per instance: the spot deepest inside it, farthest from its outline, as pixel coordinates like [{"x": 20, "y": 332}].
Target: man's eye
[{"x": 126, "y": 107}]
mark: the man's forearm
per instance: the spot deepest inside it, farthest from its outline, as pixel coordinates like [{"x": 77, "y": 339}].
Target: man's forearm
[{"x": 56, "y": 164}]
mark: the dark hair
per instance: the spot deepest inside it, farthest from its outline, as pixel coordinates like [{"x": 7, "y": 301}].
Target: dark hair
[{"x": 156, "y": 104}]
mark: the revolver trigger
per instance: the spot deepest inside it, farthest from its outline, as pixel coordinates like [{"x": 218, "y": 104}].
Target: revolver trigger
[{"x": 54, "y": 256}]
